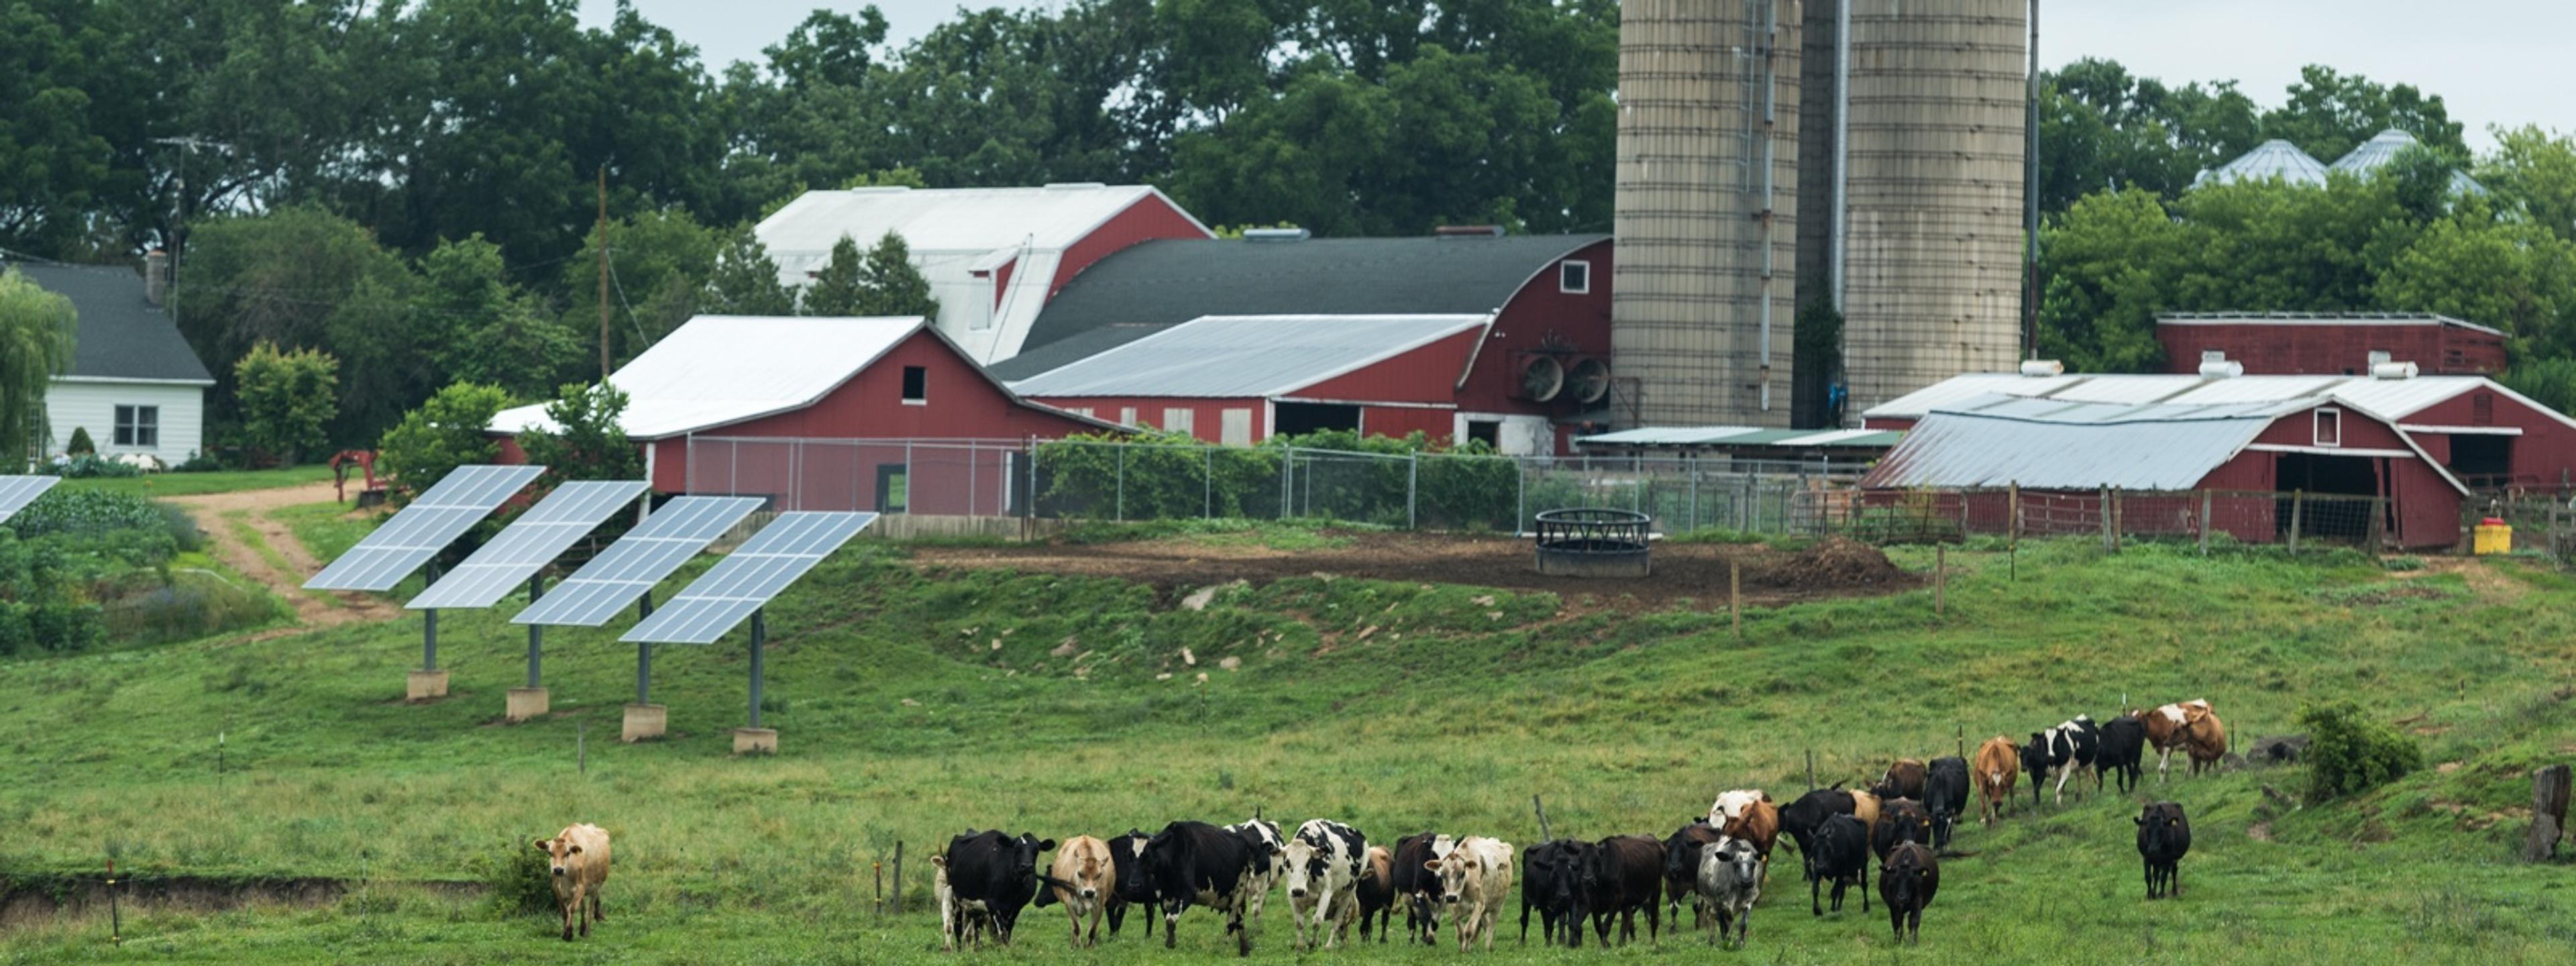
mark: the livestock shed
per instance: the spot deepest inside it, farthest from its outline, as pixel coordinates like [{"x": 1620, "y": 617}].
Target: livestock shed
[
  {"x": 2422, "y": 444},
  {"x": 868, "y": 414},
  {"x": 993, "y": 256},
  {"x": 1541, "y": 367},
  {"x": 2309, "y": 344}
]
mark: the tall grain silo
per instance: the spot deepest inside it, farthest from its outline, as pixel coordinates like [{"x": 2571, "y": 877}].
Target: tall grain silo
[
  {"x": 1933, "y": 151},
  {"x": 1708, "y": 169}
]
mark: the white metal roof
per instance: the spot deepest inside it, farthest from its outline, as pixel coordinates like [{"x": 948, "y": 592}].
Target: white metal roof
[
  {"x": 721, "y": 369},
  {"x": 2130, "y": 447},
  {"x": 1247, "y": 356},
  {"x": 955, "y": 234},
  {"x": 1667, "y": 435},
  {"x": 2319, "y": 319},
  {"x": 2388, "y": 399},
  {"x": 2275, "y": 158},
  {"x": 2371, "y": 155}
]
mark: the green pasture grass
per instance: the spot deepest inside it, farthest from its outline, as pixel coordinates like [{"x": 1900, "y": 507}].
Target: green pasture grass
[
  {"x": 912, "y": 705},
  {"x": 197, "y": 484}
]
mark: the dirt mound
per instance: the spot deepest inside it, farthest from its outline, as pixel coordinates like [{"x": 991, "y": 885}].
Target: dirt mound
[{"x": 1836, "y": 563}]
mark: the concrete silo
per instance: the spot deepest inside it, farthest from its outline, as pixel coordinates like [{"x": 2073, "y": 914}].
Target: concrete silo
[{"x": 1708, "y": 173}]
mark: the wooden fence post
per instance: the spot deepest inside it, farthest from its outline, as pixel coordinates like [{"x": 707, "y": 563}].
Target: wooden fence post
[
  {"x": 1811, "y": 769},
  {"x": 2549, "y": 788},
  {"x": 1543, "y": 834},
  {"x": 2012, "y": 532},
  {"x": 898, "y": 877},
  {"x": 1940, "y": 579},
  {"x": 2103, "y": 505},
  {"x": 2378, "y": 529},
  {"x": 2298, "y": 501},
  {"x": 2205, "y": 523},
  {"x": 1735, "y": 597}
]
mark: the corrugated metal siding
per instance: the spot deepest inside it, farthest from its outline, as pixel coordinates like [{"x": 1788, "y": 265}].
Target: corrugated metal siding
[
  {"x": 1425, "y": 375},
  {"x": 1955, "y": 450},
  {"x": 2320, "y": 349}
]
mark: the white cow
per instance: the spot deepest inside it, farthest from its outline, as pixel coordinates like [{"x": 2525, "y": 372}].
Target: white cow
[
  {"x": 1730, "y": 882},
  {"x": 1322, "y": 865},
  {"x": 1731, "y": 805},
  {"x": 1475, "y": 878}
]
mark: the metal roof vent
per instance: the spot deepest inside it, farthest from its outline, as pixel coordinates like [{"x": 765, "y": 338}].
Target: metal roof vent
[
  {"x": 1290, "y": 234},
  {"x": 2393, "y": 370},
  {"x": 2214, "y": 364},
  {"x": 2043, "y": 368}
]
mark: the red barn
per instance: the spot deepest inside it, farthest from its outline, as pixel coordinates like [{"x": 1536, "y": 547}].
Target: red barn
[
  {"x": 895, "y": 388},
  {"x": 2302, "y": 344},
  {"x": 1539, "y": 367}
]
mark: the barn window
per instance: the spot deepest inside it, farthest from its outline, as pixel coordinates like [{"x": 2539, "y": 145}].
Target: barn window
[
  {"x": 916, "y": 386},
  {"x": 2482, "y": 409},
  {"x": 1574, "y": 278},
  {"x": 1178, "y": 420},
  {"x": 138, "y": 426},
  {"x": 1234, "y": 427},
  {"x": 2329, "y": 427},
  {"x": 1127, "y": 415}
]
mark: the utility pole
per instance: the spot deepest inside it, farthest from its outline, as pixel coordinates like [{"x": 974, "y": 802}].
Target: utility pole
[
  {"x": 603, "y": 274},
  {"x": 190, "y": 145}
]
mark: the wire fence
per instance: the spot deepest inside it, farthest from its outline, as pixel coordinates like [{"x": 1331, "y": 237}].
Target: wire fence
[{"x": 2540, "y": 524}]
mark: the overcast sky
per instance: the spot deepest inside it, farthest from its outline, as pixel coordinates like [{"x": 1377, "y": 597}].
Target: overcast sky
[{"x": 2509, "y": 64}]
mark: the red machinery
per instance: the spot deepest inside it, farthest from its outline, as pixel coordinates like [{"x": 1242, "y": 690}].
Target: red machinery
[{"x": 365, "y": 460}]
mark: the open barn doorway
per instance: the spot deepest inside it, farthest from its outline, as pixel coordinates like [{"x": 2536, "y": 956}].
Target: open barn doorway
[{"x": 2327, "y": 477}]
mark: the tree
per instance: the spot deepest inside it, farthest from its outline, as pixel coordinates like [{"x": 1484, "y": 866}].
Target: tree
[
  {"x": 287, "y": 399},
  {"x": 841, "y": 287},
  {"x": 2551, "y": 382},
  {"x": 2107, "y": 267},
  {"x": 2536, "y": 171},
  {"x": 588, "y": 442},
  {"x": 745, "y": 280},
  {"x": 37, "y": 328},
  {"x": 304, "y": 278},
  {"x": 2515, "y": 276},
  {"x": 451, "y": 429},
  {"x": 492, "y": 334},
  {"x": 55, "y": 163},
  {"x": 2103, "y": 129},
  {"x": 81, "y": 444},
  {"x": 2329, "y": 113},
  {"x": 890, "y": 285},
  {"x": 660, "y": 260}
]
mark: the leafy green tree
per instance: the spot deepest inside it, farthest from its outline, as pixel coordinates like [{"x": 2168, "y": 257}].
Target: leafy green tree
[
  {"x": 2103, "y": 129},
  {"x": 2108, "y": 265},
  {"x": 2535, "y": 170},
  {"x": 450, "y": 430},
  {"x": 81, "y": 444},
  {"x": 890, "y": 285},
  {"x": 492, "y": 333},
  {"x": 37, "y": 328},
  {"x": 56, "y": 164},
  {"x": 2330, "y": 113},
  {"x": 588, "y": 442},
  {"x": 287, "y": 399},
  {"x": 841, "y": 287},
  {"x": 661, "y": 262},
  {"x": 2551, "y": 382},
  {"x": 2515, "y": 276},
  {"x": 745, "y": 280}
]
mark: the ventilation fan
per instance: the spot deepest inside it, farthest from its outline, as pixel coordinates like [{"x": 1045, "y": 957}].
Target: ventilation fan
[
  {"x": 1589, "y": 381},
  {"x": 1542, "y": 378}
]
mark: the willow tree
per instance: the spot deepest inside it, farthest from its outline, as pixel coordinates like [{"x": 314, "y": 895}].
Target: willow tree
[{"x": 35, "y": 346}]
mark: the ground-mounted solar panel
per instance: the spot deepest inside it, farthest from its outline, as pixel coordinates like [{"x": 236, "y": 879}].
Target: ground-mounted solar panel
[
  {"x": 747, "y": 579},
  {"x": 531, "y": 542},
  {"x": 631, "y": 566},
  {"x": 424, "y": 528},
  {"x": 18, "y": 491}
]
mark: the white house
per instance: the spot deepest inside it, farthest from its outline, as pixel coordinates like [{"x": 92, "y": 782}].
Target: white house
[{"x": 134, "y": 384}]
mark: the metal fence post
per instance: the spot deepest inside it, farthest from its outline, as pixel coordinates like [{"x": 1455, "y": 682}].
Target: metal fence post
[
  {"x": 1033, "y": 478},
  {"x": 1694, "y": 496},
  {"x": 1520, "y": 495},
  {"x": 2205, "y": 523},
  {"x": 2103, "y": 505},
  {"x": 1412, "y": 492}
]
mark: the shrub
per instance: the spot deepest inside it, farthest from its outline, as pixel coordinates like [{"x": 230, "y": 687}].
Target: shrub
[
  {"x": 446, "y": 432},
  {"x": 66, "y": 628},
  {"x": 81, "y": 444},
  {"x": 92, "y": 467},
  {"x": 285, "y": 398},
  {"x": 63, "y": 510},
  {"x": 198, "y": 463},
  {"x": 2349, "y": 753},
  {"x": 520, "y": 883}
]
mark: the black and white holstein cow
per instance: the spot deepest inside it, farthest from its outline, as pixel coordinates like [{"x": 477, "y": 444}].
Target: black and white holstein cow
[
  {"x": 1264, "y": 836},
  {"x": 1127, "y": 862},
  {"x": 2065, "y": 750},
  {"x": 1195, "y": 863},
  {"x": 1323, "y": 865},
  {"x": 983, "y": 881}
]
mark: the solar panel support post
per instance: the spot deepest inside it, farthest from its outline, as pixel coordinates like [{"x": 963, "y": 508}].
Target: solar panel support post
[
  {"x": 756, "y": 740},
  {"x": 429, "y": 639},
  {"x": 536, "y": 635},
  {"x": 644, "y": 673},
  {"x": 428, "y": 683}
]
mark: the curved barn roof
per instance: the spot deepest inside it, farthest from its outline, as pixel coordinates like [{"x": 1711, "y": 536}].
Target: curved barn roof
[{"x": 1160, "y": 284}]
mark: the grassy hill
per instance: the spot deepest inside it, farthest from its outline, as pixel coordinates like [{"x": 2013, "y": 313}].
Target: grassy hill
[{"x": 913, "y": 704}]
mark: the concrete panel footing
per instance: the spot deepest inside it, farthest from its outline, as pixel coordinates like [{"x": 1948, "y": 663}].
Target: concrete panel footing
[
  {"x": 526, "y": 703},
  {"x": 425, "y": 686},
  {"x": 755, "y": 741},
  {"x": 644, "y": 722}
]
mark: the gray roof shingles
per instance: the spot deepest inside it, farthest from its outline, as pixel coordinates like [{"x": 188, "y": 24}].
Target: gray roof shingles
[{"x": 120, "y": 335}]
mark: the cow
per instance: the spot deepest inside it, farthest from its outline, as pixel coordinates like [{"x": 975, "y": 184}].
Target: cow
[
  {"x": 1902, "y": 820},
  {"x": 1195, "y": 863},
  {"x": 1998, "y": 765},
  {"x": 2065, "y": 749},
  {"x": 1803, "y": 817},
  {"x": 1904, "y": 779},
  {"x": 1127, "y": 859},
  {"x": 1731, "y": 804},
  {"x": 2124, "y": 739},
  {"x": 1474, "y": 878},
  {"x": 1554, "y": 886},
  {"x": 2164, "y": 835},
  {"x": 1865, "y": 807},
  {"x": 1729, "y": 882},
  {"x": 1265, "y": 838},
  {"x": 985, "y": 879},
  {"x": 1376, "y": 891},
  {"x": 1414, "y": 884},
  {"x": 1625, "y": 875},
  {"x": 1681, "y": 869},
  {"x": 1906, "y": 880},
  {"x": 1839, "y": 852},
  {"x": 1945, "y": 795},
  {"x": 1758, "y": 821},
  {"x": 1083, "y": 878},
  {"x": 2205, "y": 739},
  {"x": 2167, "y": 728},
  {"x": 577, "y": 865},
  {"x": 1322, "y": 865}
]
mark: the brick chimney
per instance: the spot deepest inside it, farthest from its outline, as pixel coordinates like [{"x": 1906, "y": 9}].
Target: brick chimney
[{"x": 156, "y": 277}]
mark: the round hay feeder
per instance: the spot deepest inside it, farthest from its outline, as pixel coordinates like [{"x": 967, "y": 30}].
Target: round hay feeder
[{"x": 1593, "y": 542}]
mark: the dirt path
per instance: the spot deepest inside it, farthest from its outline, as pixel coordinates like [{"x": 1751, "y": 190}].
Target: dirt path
[{"x": 219, "y": 515}]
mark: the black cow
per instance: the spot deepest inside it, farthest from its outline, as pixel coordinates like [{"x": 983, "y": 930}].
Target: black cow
[
  {"x": 1625, "y": 874},
  {"x": 1803, "y": 817},
  {"x": 996, "y": 872},
  {"x": 2065, "y": 749},
  {"x": 2164, "y": 835},
  {"x": 1377, "y": 892},
  {"x": 1552, "y": 883},
  {"x": 1945, "y": 795},
  {"x": 1840, "y": 852},
  {"x": 1127, "y": 877},
  {"x": 2124, "y": 741},
  {"x": 1907, "y": 880},
  {"x": 1197, "y": 863},
  {"x": 1414, "y": 882},
  {"x": 1900, "y": 820},
  {"x": 1681, "y": 869}
]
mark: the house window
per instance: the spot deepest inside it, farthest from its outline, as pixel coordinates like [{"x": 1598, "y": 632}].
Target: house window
[
  {"x": 916, "y": 386},
  {"x": 1574, "y": 278},
  {"x": 1176, "y": 420},
  {"x": 138, "y": 426},
  {"x": 2329, "y": 430}
]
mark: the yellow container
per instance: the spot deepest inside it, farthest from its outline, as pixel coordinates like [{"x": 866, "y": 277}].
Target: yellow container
[{"x": 2493, "y": 536}]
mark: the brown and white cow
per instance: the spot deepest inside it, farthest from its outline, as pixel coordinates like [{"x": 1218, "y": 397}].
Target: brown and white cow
[
  {"x": 2169, "y": 727},
  {"x": 577, "y": 860},
  {"x": 1083, "y": 878},
  {"x": 1865, "y": 808},
  {"x": 1758, "y": 822},
  {"x": 1474, "y": 879},
  {"x": 2205, "y": 738},
  {"x": 1997, "y": 766}
]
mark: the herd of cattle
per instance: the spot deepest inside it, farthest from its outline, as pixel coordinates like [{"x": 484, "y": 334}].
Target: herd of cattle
[{"x": 1717, "y": 863}]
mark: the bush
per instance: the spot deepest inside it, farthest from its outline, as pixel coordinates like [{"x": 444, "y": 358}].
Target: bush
[
  {"x": 81, "y": 444},
  {"x": 521, "y": 885},
  {"x": 2349, "y": 753},
  {"x": 63, "y": 510},
  {"x": 92, "y": 467},
  {"x": 446, "y": 432},
  {"x": 198, "y": 463},
  {"x": 285, "y": 398}
]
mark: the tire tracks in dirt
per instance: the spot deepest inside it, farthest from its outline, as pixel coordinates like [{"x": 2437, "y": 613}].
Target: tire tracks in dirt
[{"x": 218, "y": 513}]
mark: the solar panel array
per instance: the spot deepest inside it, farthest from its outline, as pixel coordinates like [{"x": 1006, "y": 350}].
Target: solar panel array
[
  {"x": 632, "y": 565},
  {"x": 747, "y": 579},
  {"x": 18, "y": 491},
  {"x": 424, "y": 528},
  {"x": 533, "y": 541}
]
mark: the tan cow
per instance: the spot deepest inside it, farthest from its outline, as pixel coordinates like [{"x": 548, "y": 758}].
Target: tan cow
[
  {"x": 2169, "y": 727},
  {"x": 1474, "y": 878},
  {"x": 1865, "y": 808},
  {"x": 1997, "y": 767},
  {"x": 577, "y": 859},
  {"x": 1083, "y": 879},
  {"x": 2205, "y": 738}
]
